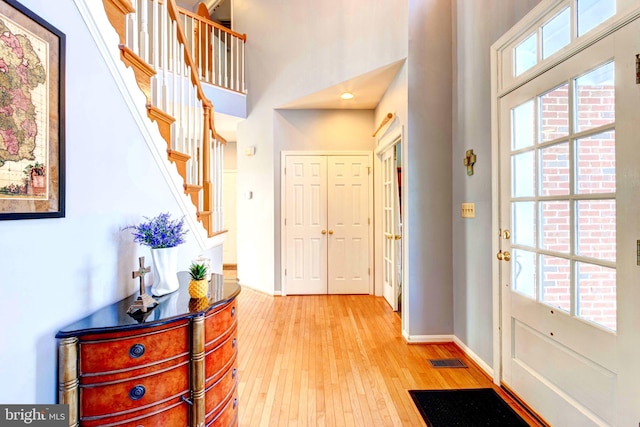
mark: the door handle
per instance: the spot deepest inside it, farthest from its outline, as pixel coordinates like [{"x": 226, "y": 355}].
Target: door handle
[
  {"x": 397, "y": 237},
  {"x": 500, "y": 255},
  {"x": 330, "y": 231},
  {"x": 507, "y": 256},
  {"x": 324, "y": 231}
]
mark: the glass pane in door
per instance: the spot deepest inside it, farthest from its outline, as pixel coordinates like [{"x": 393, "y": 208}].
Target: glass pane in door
[
  {"x": 596, "y": 164},
  {"x": 554, "y": 114},
  {"x": 555, "y": 218},
  {"x": 596, "y": 289},
  {"x": 595, "y": 98},
  {"x": 554, "y": 170},
  {"x": 556, "y": 282},
  {"x": 523, "y": 265},
  {"x": 596, "y": 229},
  {"x": 556, "y": 33}
]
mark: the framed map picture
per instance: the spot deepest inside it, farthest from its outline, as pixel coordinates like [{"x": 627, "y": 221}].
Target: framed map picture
[{"x": 31, "y": 115}]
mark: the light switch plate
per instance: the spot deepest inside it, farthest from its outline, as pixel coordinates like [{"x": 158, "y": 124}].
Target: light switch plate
[{"x": 468, "y": 210}]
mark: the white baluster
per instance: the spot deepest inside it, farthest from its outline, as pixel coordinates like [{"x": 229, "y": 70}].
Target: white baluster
[
  {"x": 164, "y": 33},
  {"x": 207, "y": 43},
  {"x": 155, "y": 30},
  {"x": 226, "y": 60},
  {"x": 244, "y": 87},
  {"x": 220, "y": 53},
  {"x": 232, "y": 63},
  {"x": 144, "y": 31},
  {"x": 131, "y": 31}
]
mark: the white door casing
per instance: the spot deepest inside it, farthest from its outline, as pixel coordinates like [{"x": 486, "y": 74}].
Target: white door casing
[
  {"x": 326, "y": 226},
  {"x": 230, "y": 248}
]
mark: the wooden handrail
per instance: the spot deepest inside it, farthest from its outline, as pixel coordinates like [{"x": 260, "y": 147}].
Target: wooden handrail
[
  {"x": 213, "y": 24},
  {"x": 386, "y": 119},
  {"x": 182, "y": 38}
]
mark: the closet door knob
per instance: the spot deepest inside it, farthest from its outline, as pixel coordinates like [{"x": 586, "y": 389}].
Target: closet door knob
[
  {"x": 324, "y": 231},
  {"x": 330, "y": 231}
]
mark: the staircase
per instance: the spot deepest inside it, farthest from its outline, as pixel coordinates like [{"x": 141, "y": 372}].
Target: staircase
[{"x": 168, "y": 64}]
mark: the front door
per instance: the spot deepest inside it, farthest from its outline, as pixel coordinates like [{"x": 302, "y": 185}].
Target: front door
[{"x": 558, "y": 236}]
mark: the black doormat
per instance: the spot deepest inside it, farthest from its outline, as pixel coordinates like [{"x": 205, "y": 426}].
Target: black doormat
[{"x": 481, "y": 407}]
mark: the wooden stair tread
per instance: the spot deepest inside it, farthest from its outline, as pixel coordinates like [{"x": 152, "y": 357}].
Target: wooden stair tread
[
  {"x": 188, "y": 188},
  {"x": 158, "y": 114},
  {"x": 143, "y": 71}
]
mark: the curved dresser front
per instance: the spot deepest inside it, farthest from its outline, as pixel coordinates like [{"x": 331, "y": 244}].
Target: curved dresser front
[{"x": 174, "y": 365}]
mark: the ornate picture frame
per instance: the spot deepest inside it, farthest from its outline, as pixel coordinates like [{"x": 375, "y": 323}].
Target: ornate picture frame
[{"x": 32, "y": 149}]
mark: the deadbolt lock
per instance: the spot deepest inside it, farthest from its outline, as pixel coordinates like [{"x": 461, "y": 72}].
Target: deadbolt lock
[{"x": 506, "y": 234}]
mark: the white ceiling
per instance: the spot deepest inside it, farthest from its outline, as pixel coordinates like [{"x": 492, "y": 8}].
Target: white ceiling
[{"x": 367, "y": 89}]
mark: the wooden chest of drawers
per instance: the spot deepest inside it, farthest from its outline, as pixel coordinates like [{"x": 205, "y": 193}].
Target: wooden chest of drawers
[{"x": 174, "y": 367}]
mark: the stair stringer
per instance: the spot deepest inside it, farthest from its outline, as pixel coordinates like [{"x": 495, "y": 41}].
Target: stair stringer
[{"x": 107, "y": 39}]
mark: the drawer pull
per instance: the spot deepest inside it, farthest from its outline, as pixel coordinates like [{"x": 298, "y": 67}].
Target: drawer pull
[
  {"x": 184, "y": 399},
  {"x": 235, "y": 403},
  {"x": 233, "y": 343},
  {"x": 137, "y": 392},
  {"x": 233, "y": 311},
  {"x": 136, "y": 351},
  {"x": 234, "y": 373}
]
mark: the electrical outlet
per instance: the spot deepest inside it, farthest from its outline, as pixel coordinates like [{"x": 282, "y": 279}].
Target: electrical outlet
[{"x": 468, "y": 210}]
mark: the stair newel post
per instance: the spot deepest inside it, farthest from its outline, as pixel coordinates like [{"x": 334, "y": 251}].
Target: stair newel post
[{"x": 206, "y": 164}]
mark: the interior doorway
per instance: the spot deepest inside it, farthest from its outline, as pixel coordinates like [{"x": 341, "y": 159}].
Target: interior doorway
[{"x": 391, "y": 159}]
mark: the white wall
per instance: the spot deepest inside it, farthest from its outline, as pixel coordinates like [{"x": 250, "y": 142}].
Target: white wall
[
  {"x": 477, "y": 26},
  {"x": 295, "y": 49},
  {"x": 55, "y": 271}
]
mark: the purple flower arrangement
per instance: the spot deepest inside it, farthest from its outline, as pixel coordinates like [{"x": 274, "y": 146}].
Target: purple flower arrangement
[{"x": 159, "y": 232}]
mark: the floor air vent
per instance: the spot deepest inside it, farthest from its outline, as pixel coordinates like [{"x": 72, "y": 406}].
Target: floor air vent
[{"x": 447, "y": 363}]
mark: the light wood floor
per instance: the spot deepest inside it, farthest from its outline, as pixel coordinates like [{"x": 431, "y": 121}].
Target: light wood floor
[{"x": 335, "y": 361}]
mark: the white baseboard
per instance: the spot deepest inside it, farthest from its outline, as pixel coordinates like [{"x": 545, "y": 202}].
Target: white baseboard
[
  {"x": 431, "y": 339},
  {"x": 427, "y": 339},
  {"x": 269, "y": 292},
  {"x": 481, "y": 363}
]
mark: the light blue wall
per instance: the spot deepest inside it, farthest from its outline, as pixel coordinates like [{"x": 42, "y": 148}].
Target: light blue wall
[
  {"x": 428, "y": 169},
  {"x": 55, "y": 271},
  {"x": 477, "y": 25}
]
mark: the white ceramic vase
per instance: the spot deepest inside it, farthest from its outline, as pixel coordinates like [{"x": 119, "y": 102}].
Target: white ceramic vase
[{"x": 165, "y": 271}]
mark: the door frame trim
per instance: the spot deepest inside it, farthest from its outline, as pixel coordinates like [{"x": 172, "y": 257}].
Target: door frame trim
[{"x": 283, "y": 229}]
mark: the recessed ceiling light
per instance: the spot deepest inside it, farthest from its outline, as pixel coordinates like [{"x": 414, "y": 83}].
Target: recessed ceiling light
[{"x": 346, "y": 95}]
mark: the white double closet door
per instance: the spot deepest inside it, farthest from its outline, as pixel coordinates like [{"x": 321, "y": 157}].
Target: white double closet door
[{"x": 327, "y": 224}]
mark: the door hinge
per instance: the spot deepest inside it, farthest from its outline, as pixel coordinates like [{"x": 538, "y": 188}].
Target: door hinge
[
  {"x": 285, "y": 271},
  {"x": 369, "y": 271},
  {"x": 369, "y": 221},
  {"x": 285, "y": 221},
  {"x": 285, "y": 171},
  {"x": 368, "y": 170}
]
